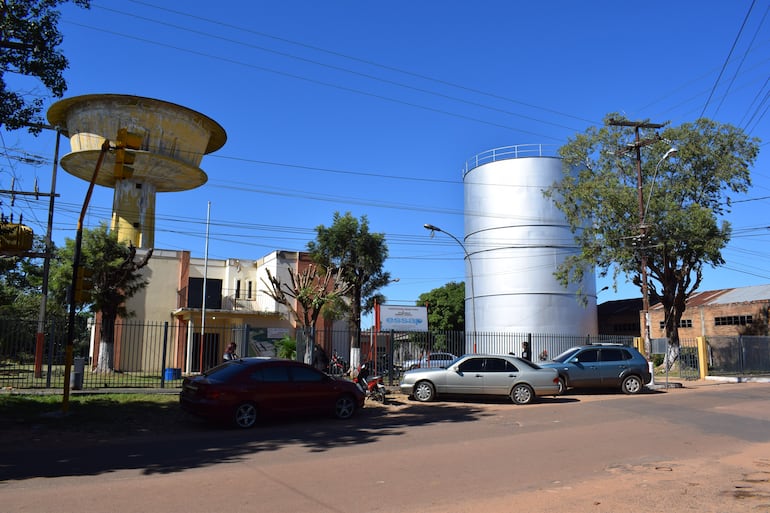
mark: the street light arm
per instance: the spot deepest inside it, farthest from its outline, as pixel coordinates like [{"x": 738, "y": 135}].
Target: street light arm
[
  {"x": 671, "y": 152},
  {"x": 434, "y": 228}
]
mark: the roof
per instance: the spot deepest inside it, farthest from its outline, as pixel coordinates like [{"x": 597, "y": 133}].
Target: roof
[
  {"x": 748, "y": 294},
  {"x": 752, "y": 293}
]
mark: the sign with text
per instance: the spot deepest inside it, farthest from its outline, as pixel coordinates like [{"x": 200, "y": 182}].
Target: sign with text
[{"x": 403, "y": 318}]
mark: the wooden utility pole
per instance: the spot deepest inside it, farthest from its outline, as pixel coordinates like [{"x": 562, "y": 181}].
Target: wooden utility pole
[{"x": 637, "y": 145}]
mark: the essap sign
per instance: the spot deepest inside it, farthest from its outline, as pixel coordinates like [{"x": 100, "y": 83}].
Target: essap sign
[{"x": 403, "y": 318}]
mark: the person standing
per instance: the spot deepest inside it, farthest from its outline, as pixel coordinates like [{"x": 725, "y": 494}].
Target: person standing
[
  {"x": 230, "y": 352},
  {"x": 526, "y": 353},
  {"x": 320, "y": 360}
]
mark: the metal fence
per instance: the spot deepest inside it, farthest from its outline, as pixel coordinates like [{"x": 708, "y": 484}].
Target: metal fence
[
  {"x": 156, "y": 355},
  {"x": 740, "y": 355},
  {"x": 687, "y": 366}
]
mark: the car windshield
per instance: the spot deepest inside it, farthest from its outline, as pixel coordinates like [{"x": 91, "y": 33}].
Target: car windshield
[{"x": 566, "y": 355}]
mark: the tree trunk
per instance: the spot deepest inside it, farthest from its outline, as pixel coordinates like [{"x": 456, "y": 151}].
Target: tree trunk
[{"x": 106, "y": 361}]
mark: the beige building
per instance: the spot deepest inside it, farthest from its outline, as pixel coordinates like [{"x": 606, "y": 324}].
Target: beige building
[{"x": 171, "y": 317}]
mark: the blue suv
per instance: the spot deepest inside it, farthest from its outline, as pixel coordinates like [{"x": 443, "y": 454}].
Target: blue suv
[{"x": 601, "y": 366}]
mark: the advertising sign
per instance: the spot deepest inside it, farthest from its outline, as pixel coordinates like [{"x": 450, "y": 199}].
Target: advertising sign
[{"x": 403, "y": 318}]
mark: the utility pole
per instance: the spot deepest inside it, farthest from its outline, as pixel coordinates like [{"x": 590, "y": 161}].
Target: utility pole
[{"x": 637, "y": 145}]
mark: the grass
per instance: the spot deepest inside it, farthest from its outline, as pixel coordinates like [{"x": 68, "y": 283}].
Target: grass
[{"x": 116, "y": 414}]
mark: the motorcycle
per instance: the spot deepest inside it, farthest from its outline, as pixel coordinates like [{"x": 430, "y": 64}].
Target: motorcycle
[
  {"x": 336, "y": 365},
  {"x": 371, "y": 386}
]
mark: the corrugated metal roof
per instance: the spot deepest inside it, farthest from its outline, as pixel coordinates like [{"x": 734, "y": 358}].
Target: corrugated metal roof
[
  {"x": 743, "y": 295},
  {"x": 723, "y": 296}
]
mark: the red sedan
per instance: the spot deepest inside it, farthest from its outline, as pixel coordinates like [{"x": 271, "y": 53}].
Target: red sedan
[{"x": 243, "y": 391}]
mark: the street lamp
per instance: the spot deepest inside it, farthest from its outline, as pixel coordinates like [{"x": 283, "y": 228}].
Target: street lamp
[
  {"x": 642, "y": 236},
  {"x": 670, "y": 153},
  {"x": 432, "y": 229}
]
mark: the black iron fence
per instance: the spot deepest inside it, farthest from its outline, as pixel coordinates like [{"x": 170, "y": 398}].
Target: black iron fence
[{"x": 154, "y": 355}]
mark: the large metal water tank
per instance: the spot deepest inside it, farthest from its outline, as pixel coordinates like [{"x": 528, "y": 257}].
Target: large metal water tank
[{"x": 516, "y": 238}]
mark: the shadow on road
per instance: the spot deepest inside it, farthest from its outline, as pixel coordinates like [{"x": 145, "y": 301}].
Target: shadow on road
[{"x": 186, "y": 442}]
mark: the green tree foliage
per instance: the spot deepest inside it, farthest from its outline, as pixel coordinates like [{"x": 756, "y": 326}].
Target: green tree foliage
[
  {"x": 21, "y": 281},
  {"x": 358, "y": 255},
  {"x": 29, "y": 44},
  {"x": 685, "y": 199},
  {"x": 446, "y": 307},
  {"x": 115, "y": 274}
]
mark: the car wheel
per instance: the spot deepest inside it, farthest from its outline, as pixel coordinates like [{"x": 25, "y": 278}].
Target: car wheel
[
  {"x": 522, "y": 394},
  {"x": 245, "y": 415},
  {"x": 562, "y": 386},
  {"x": 424, "y": 391},
  {"x": 632, "y": 385},
  {"x": 344, "y": 407}
]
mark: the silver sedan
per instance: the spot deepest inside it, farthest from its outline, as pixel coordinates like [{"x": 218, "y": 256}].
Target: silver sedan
[{"x": 476, "y": 374}]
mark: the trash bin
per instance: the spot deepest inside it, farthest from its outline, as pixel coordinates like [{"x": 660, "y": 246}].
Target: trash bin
[
  {"x": 76, "y": 374},
  {"x": 171, "y": 374}
]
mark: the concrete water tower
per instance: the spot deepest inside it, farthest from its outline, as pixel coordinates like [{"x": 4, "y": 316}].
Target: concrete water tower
[{"x": 170, "y": 142}]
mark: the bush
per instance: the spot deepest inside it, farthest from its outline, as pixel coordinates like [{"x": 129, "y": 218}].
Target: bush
[
  {"x": 657, "y": 359},
  {"x": 286, "y": 348}
]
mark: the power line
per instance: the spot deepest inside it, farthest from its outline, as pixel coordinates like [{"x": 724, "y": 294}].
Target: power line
[
  {"x": 727, "y": 59},
  {"x": 363, "y": 61}
]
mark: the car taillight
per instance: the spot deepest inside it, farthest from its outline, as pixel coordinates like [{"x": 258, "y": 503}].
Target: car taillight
[
  {"x": 212, "y": 393},
  {"x": 556, "y": 381}
]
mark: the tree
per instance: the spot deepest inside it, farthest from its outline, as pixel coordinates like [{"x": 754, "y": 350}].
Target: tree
[
  {"x": 306, "y": 295},
  {"x": 114, "y": 268},
  {"x": 446, "y": 307},
  {"x": 29, "y": 40},
  {"x": 348, "y": 247},
  {"x": 684, "y": 204}
]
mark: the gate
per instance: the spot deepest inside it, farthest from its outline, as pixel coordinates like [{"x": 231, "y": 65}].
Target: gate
[{"x": 688, "y": 359}]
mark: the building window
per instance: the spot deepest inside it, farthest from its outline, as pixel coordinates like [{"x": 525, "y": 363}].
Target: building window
[
  {"x": 237, "y": 289},
  {"x": 629, "y": 327},
  {"x": 733, "y": 320},
  {"x": 248, "y": 289},
  {"x": 683, "y": 323}
]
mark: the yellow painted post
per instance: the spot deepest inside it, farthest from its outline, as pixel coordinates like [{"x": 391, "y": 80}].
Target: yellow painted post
[{"x": 703, "y": 361}]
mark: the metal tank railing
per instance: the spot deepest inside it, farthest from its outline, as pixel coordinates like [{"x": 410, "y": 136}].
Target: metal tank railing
[{"x": 510, "y": 152}]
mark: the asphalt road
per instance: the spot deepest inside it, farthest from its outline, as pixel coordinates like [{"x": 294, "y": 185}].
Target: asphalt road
[{"x": 705, "y": 448}]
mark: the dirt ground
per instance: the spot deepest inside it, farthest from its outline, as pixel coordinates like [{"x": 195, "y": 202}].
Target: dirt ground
[{"x": 736, "y": 484}]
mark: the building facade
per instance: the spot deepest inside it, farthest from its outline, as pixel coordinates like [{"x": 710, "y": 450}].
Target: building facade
[
  {"x": 712, "y": 313},
  {"x": 205, "y": 304}
]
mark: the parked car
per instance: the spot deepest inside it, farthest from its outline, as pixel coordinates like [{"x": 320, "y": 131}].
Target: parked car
[
  {"x": 487, "y": 375},
  {"x": 433, "y": 360},
  {"x": 245, "y": 390},
  {"x": 601, "y": 366}
]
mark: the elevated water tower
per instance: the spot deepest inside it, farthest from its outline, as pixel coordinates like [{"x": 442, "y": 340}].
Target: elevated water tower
[{"x": 158, "y": 148}]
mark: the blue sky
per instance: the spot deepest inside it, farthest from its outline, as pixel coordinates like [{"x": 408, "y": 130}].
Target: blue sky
[{"x": 373, "y": 108}]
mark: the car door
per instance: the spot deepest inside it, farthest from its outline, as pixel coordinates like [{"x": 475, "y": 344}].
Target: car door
[
  {"x": 310, "y": 390},
  {"x": 272, "y": 388},
  {"x": 467, "y": 377},
  {"x": 499, "y": 375},
  {"x": 614, "y": 361},
  {"x": 583, "y": 369}
]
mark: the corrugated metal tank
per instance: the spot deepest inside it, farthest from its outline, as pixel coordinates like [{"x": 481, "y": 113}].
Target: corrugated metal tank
[{"x": 516, "y": 238}]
